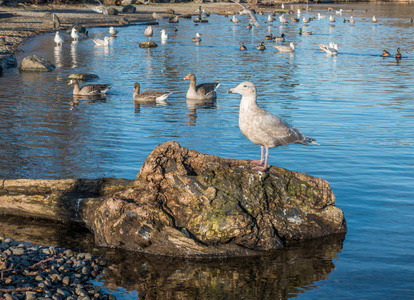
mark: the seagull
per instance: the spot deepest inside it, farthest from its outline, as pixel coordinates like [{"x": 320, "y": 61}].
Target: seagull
[
  {"x": 351, "y": 20},
  {"x": 99, "y": 42},
  {"x": 270, "y": 19},
  {"x": 331, "y": 18},
  {"x": 197, "y": 38},
  {"x": 112, "y": 31},
  {"x": 305, "y": 20},
  {"x": 157, "y": 16},
  {"x": 339, "y": 12},
  {"x": 331, "y": 49},
  {"x": 58, "y": 39},
  {"x": 282, "y": 19},
  {"x": 234, "y": 19},
  {"x": 148, "y": 32},
  {"x": 374, "y": 19},
  {"x": 320, "y": 16},
  {"x": 249, "y": 12},
  {"x": 286, "y": 49},
  {"x": 263, "y": 128},
  {"x": 164, "y": 36},
  {"x": 74, "y": 34},
  {"x": 99, "y": 8}
]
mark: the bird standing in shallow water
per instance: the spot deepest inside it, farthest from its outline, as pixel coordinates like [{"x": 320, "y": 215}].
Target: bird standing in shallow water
[
  {"x": 74, "y": 34},
  {"x": 58, "y": 39},
  {"x": 262, "y": 127},
  {"x": 112, "y": 31}
]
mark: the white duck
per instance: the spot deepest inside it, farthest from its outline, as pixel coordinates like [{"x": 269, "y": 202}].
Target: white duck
[
  {"x": 286, "y": 49},
  {"x": 58, "y": 39},
  {"x": 101, "y": 43},
  {"x": 74, "y": 34},
  {"x": 113, "y": 31},
  {"x": 262, "y": 127}
]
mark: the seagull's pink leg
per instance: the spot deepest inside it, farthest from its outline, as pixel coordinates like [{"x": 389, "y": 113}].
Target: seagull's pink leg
[
  {"x": 258, "y": 162},
  {"x": 262, "y": 169}
]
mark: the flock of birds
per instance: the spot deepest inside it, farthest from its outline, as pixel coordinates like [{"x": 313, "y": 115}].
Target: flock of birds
[{"x": 257, "y": 124}]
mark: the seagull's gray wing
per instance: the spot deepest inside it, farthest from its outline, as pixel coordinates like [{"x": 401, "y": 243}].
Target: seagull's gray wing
[{"x": 250, "y": 13}]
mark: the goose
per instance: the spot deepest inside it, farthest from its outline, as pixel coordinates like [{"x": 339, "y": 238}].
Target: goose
[
  {"x": 374, "y": 19},
  {"x": 243, "y": 47},
  {"x": 89, "y": 89},
  {"x": 234, "y": 19},
  {"x": 197, "y": 38},
  {"x": 99, "y": 42},
  {"x": 203, "y": 91},
  {"x": 164, "y": 35},
  {"x": 112, "y": 31},
  {"x": 398, "y": 55},
  {"x": 331, "y": 18},
  {"x": 385, "y": 53},
  {"x": 286, "y": 49},
  {"x": 261, "y": 46},
  {"x": 74, "y": 34},
  {"x": 263, "y": 128},
  {"x": 58, "y": 39},
  {"x": 280, "y": 38},
  {"x": 304, "y": 32},
  {"x": 148, "y": 32},
  {"x": 149, "y": 96},
  {"x": 270, "y": 19}
]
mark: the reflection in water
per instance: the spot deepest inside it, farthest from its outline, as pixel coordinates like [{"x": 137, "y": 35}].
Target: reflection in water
[
  {"x": 73, "y": 54},
  {"x": 280, "y": 275},
  {"x": 58, "y": 56},
  {"x": 193, "y": 104}
]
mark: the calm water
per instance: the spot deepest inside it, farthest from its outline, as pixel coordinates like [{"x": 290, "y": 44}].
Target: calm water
[{"x": 357, "y": 105}]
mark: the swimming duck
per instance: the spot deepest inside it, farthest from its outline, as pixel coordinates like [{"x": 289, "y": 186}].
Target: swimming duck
[
  {"x": 203, "y": 91},
  {"x": 398, "y": 55},
  {"x": 269, "y": 37},
  {"x": 243, "y": 47},
  {"x": 286, "y": 49},
  {"x": 294, "y": 20},
  {"x": 304, "y": 32},
  {"x": 249, "y": 26},
  {"x": 112, "y": 31},
  {"x": 58, "y": 39},
  {"x": 320, "y": 16},
  {"x": 280, "y": 38},
  {"x": 305, "y": 20},
  {"x": 261, "y": 46},
  {"x": 263, "y": 128},
  {"x": 197, "y": 38},
  {"x": 89, "y": 89},
  {"x": 149, "y": 96},
  {"x": 385, "y": 53}
]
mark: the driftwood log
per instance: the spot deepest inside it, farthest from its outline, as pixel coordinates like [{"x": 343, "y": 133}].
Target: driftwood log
[{"x": 186, "y": 203}]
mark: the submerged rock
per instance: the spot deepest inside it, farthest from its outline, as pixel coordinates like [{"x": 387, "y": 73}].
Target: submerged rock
[
  {"x": 36, "y": 63},
  {"x": 148, "y": 44},
  {"x": 83, "y": 76}
]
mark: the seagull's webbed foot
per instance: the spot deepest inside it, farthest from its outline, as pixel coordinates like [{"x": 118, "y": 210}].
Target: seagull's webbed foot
[
  {"x": 260, "y": 169},
  {"x": 257, "y": 162}
]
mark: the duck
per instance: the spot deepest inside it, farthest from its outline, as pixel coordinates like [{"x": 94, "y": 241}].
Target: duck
[
  {"x": 58, "y": 39},
  {"x": 269, "y": 37},
  {"x": 261, "y": 46},
  {"x": 304, "y": 32},
  {"x": 398, "y": 55},
  {"x": 74, "y": 34},
  {"x": 197, "y": 38},
  {"x": 99, "y": 42},
  {"x": 280, "y": 38},
  {"x": 148, "y": 32},
  {"x": 203, "y": 91},
  {"x": 385, "y": 53},
  {"x": 149, "y": 96},
  {"x": 286, "y": 49},
  {"x": 331, "y": 18},
  {"x": 263, "y": 128},
  {"x": 294, "y": 20},
  {"x": 89, "y": 89},
  {"x": 164, "y": 35},
  {"x": 112, "y": 31},
  {"x": 243, "y": 47},
  {"x": 249, "y": 26}
]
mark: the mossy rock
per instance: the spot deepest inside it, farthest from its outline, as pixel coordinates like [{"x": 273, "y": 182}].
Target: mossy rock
[
  {"x": 148, "y": 44},
  {"x": 83, "y": 76}
]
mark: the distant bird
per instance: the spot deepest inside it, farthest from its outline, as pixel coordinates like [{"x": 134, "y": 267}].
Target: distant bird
[
  {"x": 203, "y": 14},
  {"x": 164, "y": 36},
  {"x": 385, "y": 53},
  {"x": 286, "y": 49},
  {"x": 261, "y": 46},
  {"x": 247, "y": 11},
  {"x": 282, "y": 19},
  {"x": 374, "y": 19},
  {"x": 157, "y": 17},
  {"x": 101, "y": 43},
  {"x": 173, "y": 19},
  {"x": 331, "y": 49},
  {"x": 280, "y": 38},
  {"x": 100, "y": 8},
  {"x": 249, "y": 26},
  {"x": 263, "y": 128},
  {"x": 331, "y": 18},
  {"x": 304, "y": 20},
  {"x": 113, "y": 31},
  {"x": 346, "y": 21},
  {"x": 58, "y": 39},
  {"x": 270, "y": 19},
  {"x": 269, "y": 37},
  {"x": 148, "y": 32},
  {"x": 339, "y": 12},
  {"x": 74, "y": 34},
  {"x": 283, "y": 6},
  {"x": 352, "y": 20},
  {"x": 89, "y": 89},
  {"x": 304, "y": 32},
  {"x": 320, "y": 16},
  {"x": 149, "y": 96},
  {"x": 203, "y": 91},
  {"x": 398, "y": 55},
  {"x": 197, "y": 38},
  {"x": 243, "y": 47},
  {"x": 298, "y": 11},
  {"x": 234, "y": 19},
  {"x": 294, "y": 20}
]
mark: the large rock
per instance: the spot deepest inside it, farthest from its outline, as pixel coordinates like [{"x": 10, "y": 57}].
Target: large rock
[
  {"x": 8, "y": 61},
  {"x": 36, "y": 63},
  {"x": 129, "y": 9},
  {"x": 186, "y": 203}
]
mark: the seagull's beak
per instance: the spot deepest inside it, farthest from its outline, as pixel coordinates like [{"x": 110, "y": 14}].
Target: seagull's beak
[{"x": 230, "y": 91}]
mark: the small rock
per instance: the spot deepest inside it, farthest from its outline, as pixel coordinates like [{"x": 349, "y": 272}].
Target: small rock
[
  {"x": 30, "y": 296},
  {"x": 148, "y": 44},
  {"x": 112, "y": 11},
  {"x": 36, "y": 63},
  {"x": 18, "y": 251},
  {"x": 123, "y": 21},
  {"x": 129, "y": 9}
]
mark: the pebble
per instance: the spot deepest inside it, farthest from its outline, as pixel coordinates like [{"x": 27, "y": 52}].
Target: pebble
[{"x": 31, "y": 271}]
